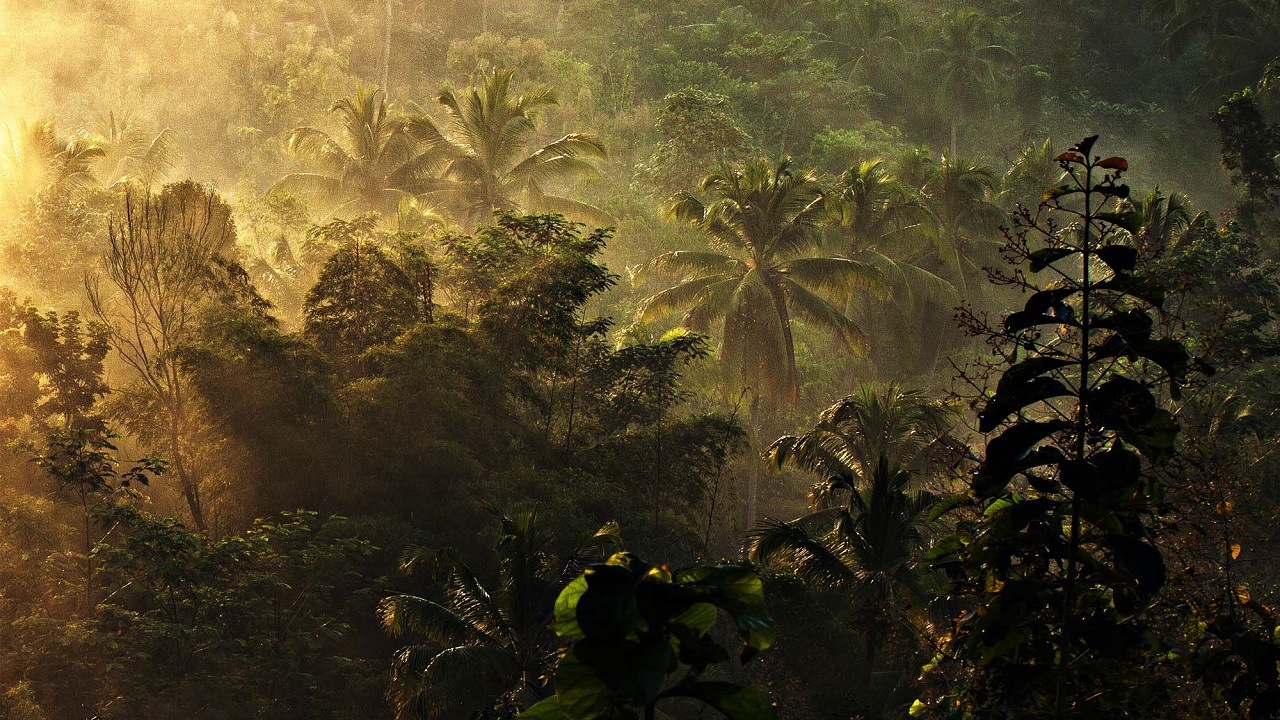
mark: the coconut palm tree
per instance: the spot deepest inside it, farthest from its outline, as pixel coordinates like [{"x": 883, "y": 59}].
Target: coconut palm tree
[
  {"x": 852, "y": 435},
  {"x": 35, "y": 158},
  {"x": 765, "y": 217},
  {"x": 1033, "y": 170},
  {"x": 960, "y": 194},
  {"x": 887, "y": 223},
  {"x": 970, "y": 65},
  {"x": 482, "y": 151},
  {"x": 371, "y": 164},
  {"x": 867, "y": 546},
  {"x": 130, "y": 154},
  {"x": 484, "y": 652}
]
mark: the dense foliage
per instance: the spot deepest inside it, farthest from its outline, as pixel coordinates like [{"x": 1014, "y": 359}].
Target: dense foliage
[{"x": 352, "y": 357}]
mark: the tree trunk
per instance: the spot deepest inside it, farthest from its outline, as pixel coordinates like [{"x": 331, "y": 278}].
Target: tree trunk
[
  {"x": 484, "y": 16},
  {"x": 560, "y": 16},
  {"x": 753, "y": 474},
  {"x": 387, "y": 41},
  {"x": 328, "y": 28}
]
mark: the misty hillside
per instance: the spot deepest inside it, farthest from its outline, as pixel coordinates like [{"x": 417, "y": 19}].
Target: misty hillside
[{"x": 579, "y": 359}]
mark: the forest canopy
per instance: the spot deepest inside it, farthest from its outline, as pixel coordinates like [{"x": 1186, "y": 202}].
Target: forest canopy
[{"x": 576, "y": 359}]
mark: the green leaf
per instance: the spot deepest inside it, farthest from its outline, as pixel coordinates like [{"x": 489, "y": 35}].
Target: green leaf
[
  {"x": 566, "y": 609},
  {"x": 735, "y": 701},
  {"x": 699, "y": 617},
  {"x": 545, "y": 709},
  {"x": 582, "y": 694},
  {"x": 1041, "y": 259},
  {"x": 738, "y": 590}
]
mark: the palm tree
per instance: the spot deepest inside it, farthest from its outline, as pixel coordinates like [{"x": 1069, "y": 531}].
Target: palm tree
[
  {"x": 130, "y": 154},
  {"x": 960, "y": 194},
  {"x": 862, "y": 33},
  {"x": 1163, "y": 218},
  {"x": 765, "y": 217},
  {"x": 970, "y": 64},
  {"x": 370, "y": 165},
  {"x": 887, "y": 223},
  {"x": 482, "y": 652},
  {"x": 482, "y": 151},
  {"x": 35, "y": 158},
  {"x": 1033, "y": 170},
  {"x": 868, "y": 547},
  {"x": 852, "y": 435}
]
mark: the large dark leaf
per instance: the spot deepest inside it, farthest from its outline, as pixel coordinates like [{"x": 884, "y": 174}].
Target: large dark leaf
[
  {"x": 1134, "y": 325},
  {"x": 1157, "y": 440},
  {"x": 1006, "y": 453},
  {"x": 608, "y": 609},
  {"x": 1143, "y": 288},
  {"x": 1120, "y": 258},
  {"x": 635, "y": 670},
  {"x": 1139, "y": 560},
  {"x": 1043, "y": 258},
  {"x": 736, "y": 702},
  {"x": 1010, "y": 398},
  {"x": 1122, "y": 404}
]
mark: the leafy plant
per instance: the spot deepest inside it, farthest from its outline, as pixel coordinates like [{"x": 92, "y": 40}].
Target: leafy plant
[
  {"x": 641, "y": 634},
  {"x": 1057, "y": 564}
]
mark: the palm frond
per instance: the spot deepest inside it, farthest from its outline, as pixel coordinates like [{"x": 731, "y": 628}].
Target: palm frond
[
  {"x": 790, "y": 545},
  {"x": 409, "y": 613},
  {"x": 692, "y": 292},
  {"x": 822, "y": 313}
]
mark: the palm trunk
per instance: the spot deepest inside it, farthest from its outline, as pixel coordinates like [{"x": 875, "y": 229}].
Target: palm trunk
[
  {"x": 386, "y": 43},
  {"x": 753, "y": 474},
  {"x": 328, "y": 28}
]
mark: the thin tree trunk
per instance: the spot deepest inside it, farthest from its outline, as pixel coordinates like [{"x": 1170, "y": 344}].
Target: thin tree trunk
[
  {"x": 753, "y": 474},
  {"x": 328, "y": 28},
  {"x": 386, "y": 43},
  {"x": 484, "y": 16},
  {"x": 560, "y": 16}
]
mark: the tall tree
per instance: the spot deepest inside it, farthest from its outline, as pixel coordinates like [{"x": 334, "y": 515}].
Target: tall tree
[
  {"x": 767, "y": 217},
  {"x": 482, "y": 151},
  {"x": 163, "y": 255},
  {"x": 1060, "y": 564},
  {"x": 371, "y": 164},
  {"x": 971, "y": 63},
  {"x": 494, "y": 651},
  {"x": 868, "y": 546}
]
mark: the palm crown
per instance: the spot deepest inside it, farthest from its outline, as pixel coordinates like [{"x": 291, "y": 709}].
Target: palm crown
[
  {"x": 372, "y": 163},
  {"x": 765, "y": 217},
  {"x": 482, "y": 150}
]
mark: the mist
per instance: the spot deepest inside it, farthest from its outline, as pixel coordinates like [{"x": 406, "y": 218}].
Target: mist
[{"x": 589, "y": 359}]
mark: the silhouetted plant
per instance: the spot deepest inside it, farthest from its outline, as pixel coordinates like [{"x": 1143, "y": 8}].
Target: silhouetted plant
[{"x": 1057, "y": 563}]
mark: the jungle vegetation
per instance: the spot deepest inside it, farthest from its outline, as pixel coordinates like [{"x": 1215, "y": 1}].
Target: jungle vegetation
[{"x": 585, "y": 359}]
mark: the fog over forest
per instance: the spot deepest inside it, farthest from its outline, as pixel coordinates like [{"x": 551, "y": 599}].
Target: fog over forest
[{"x": 576, "y": 359}]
